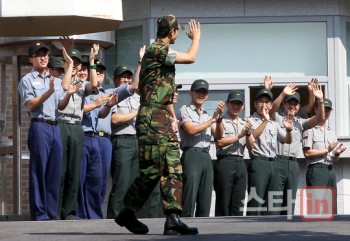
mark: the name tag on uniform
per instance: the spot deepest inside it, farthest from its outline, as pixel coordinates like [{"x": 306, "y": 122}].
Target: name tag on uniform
[{"x": 36, "y": 84}]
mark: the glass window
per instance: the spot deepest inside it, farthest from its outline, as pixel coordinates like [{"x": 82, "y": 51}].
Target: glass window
[
  {"x": 211, "y": 103},
  {"x": 254, "y": 49},
  {"x": 126, "y": 50}
]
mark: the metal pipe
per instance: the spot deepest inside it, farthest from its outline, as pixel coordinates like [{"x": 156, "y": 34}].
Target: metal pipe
[{"x": 17, "y": 201}]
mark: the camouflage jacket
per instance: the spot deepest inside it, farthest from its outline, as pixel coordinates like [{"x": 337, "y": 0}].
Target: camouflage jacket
[{"x": 157, "y": 89}]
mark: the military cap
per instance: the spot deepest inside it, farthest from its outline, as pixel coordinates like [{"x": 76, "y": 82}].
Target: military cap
[
  {"x": 85, "y": 64},
  {"x": 99, "y": 64},
  {"x": 236, "y": 95},
  {"x": 35, "y": 46},
  {"x": 55, "y": 62},
  {"x": 168, "y": 22},
  {"x": 264, "y": 92},
  {"x": 121, "y": 69},
  {"x": 327, "y": 104},
  {"x": 200, "y": 84},
  {"x": 74, "y": 53},
  {"x": 178, "y": 86},
  {"x": 295, "y": 96}
]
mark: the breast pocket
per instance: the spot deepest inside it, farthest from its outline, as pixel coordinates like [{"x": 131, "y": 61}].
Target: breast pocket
[
  {"x": 122, "y": 104},
  {"x": 38, "y": 88},
  {"x": 296, "y": 135},
  {"x": 318, "y": 141},
  {"x": 123, "y": 108}
]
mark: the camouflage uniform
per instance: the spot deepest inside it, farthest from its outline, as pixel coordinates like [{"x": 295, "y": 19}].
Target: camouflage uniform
[{"x": 158, "y": 145}]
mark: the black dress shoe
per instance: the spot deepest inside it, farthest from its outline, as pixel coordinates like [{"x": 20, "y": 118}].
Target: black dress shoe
[
  {"x": 174, "y": 226},
  {"x": 126, "y": 218}
]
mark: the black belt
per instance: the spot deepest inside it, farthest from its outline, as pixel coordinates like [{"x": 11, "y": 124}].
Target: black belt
[
  {"x": 51, "y": 122},
  {"x": 290, "y": 158},
  {"x": 233, "y": 157},
  {"x": 155, "y": 105},
  {"x": 198, "y": 149},
  {"x": 71, "y": 122},
  {"x": 321, "y": 165},
  {"x": 270, "y": 159},
  {"x": 103, "y": 134},
  {"x": 90, "y": 133},
  {"x": 124, "y": 136}
]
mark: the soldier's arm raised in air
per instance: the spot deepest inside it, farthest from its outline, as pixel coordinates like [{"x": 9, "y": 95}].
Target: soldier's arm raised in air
[{"x": 191, "y": 55}]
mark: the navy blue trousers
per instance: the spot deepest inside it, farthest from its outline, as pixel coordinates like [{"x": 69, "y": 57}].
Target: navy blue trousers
[
  {"x": 44, "y": 143},
  {"x": 89, "y": 198},
  {"x": 105, "y": 146}
]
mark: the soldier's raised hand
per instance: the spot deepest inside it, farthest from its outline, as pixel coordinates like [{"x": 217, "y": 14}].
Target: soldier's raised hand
[
  {"x": 67, "y": 58},
  {"x": 94, "y": 51},
  {"x": 310, "y": 86},
  {"x": 142, "y": 52},
  {"x": 195, "y": 30},
  {"x": 317, "y": 91},
  {"x": 268, "y": 82},
  {"x": 290, "y": 89},
  {"x": 67, "y": 42}
]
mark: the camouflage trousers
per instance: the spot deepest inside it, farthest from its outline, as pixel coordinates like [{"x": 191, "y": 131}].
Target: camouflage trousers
[{"x": 158, "y": 162}]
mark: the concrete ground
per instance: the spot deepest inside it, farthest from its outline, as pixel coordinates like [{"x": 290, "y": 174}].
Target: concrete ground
[{"x": 270, "y": 228}]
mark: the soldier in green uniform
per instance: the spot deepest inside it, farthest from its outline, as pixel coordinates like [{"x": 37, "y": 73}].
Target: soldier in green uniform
[
  {"x": 230, "y": 174},
  {"x": 262, "y": 145},
  {"x": 288, "y": 167},
  {"x": 321, "y": 149},
  {"x": 195, "y": 133},
  {"x": 159, "y": 156}
]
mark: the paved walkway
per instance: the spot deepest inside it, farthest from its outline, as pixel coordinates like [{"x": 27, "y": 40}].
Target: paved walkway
[{"x": 273, "y": 228}]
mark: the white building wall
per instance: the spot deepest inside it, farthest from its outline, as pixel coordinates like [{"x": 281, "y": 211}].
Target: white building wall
[{"x": 335, "y": 13}]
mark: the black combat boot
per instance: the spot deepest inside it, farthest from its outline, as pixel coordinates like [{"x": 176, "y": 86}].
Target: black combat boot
[
  {"x": 174, "y": 226},
  {"x": 128, "y": 219}
]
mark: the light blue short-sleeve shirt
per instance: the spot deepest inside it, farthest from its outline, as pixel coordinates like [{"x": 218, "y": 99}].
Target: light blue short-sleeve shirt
[{"x": 33, "y": 85}]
